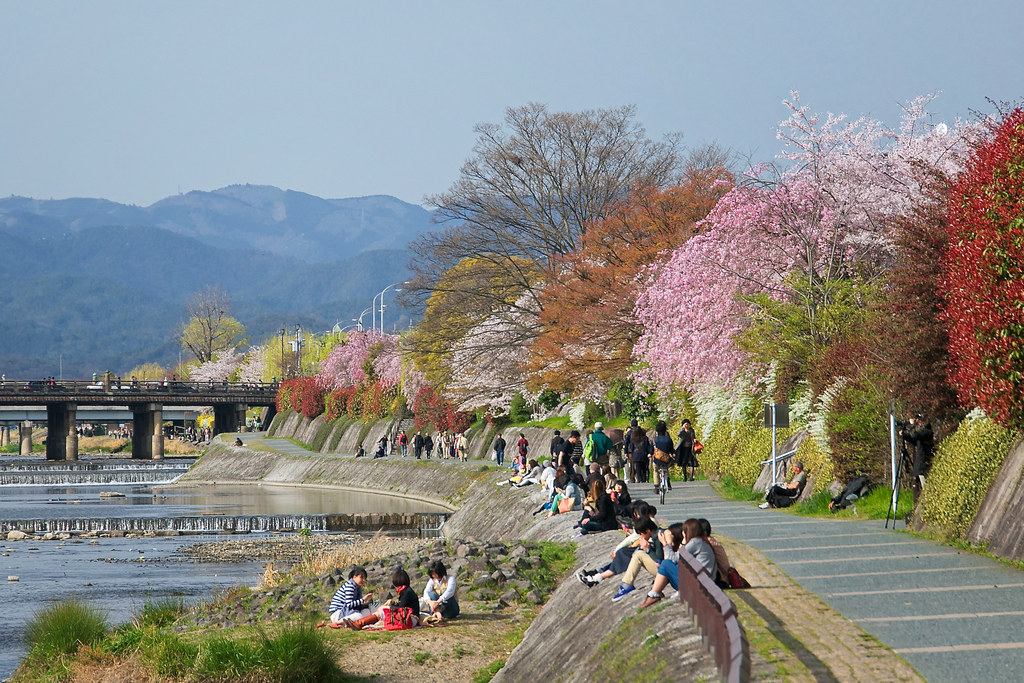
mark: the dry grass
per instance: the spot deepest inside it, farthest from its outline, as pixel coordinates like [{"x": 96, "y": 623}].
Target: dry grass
[
  {"x": 271, "y": 577},
  {"x": 179, "y": 447},
  {"x": 358, "y": 552}
]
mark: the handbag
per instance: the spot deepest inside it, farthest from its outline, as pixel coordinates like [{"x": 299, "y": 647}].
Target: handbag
[
  {"x": 662, "y": 457},
  {"x": 736, "y": 580},
  {"x": 566, "y": 505},
  {"x": 494, "y": 455},
  {"x": 397, "y": 618},
  {"x": 697, "y": 446}
]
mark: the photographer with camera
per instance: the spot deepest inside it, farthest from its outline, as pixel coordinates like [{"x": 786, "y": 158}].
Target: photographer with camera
[{"x": 917, "y": 433}]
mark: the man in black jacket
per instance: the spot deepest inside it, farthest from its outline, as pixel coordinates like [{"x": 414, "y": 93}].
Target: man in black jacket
[
  {"x": 499, "y": 450},
  {"x": 556, "y": 441},
  {"x": 417, "y": 444},
  {"x": 919, "y": 434}
]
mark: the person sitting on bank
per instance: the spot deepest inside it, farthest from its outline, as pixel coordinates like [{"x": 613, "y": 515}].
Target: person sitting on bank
[
  {"x": 406, "y": 611},
  {"x": 696, "y": 544},
  {"x": 441, "y": 594},
  {"x": 361, "y": 453},
  {"x": 642, "y": 540},
  {"x": 349, "y": 602},
  {"x": 784, "y": 495},
  {"x": 600, "y": 512},
  {"x": 238, "y": 442}
]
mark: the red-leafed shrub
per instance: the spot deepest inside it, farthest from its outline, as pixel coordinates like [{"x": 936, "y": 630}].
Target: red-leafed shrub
[
  {"x": 337, "y": 402},
  {"x": 433, "y": 410},
  {"x": 307, "y": 397},
  {"x": 983, "y": 278}
]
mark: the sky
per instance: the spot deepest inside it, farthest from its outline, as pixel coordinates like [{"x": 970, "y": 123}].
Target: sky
[{"x": 135, "y": 101}]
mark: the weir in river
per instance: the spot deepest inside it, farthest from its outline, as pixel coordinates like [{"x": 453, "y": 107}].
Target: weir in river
[{"x": 87, "y": 473}]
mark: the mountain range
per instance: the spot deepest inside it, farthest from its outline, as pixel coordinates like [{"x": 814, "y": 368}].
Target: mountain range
[{"x": 89, "y": 285}]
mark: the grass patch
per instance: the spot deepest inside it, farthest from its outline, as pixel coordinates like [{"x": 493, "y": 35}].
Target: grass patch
[
  {"x": 278, "y": 420},
  {"x": 300, "y": 444},
  {"x": 322, "y": 432},
  {"x": 730, "y": 489},
  {"x": 55, "y": 633},
  {"x": 875, "y": 505},
  {"x": 160, "y": 613},
  {"x": 341, "y": 426},
  {"x": 488, "y": 672}
]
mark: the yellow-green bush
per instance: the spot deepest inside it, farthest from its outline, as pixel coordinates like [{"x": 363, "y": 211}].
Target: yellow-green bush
[
  {"x": 964, "y": 467},
  {"x": 737, "y": 449}
]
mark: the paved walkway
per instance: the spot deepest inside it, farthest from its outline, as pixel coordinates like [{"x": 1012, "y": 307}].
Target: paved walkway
[{"x": 954, "y": 616}]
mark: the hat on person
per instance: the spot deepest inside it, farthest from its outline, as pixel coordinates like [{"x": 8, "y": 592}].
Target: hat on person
[{"x": 598, "y": 426}]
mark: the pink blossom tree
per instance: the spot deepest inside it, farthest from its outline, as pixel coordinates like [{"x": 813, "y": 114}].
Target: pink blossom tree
[
  {"x": 219, "y": 369},
  {"x": 343, "y": 366},
  {"x": 805, "y": 238}
]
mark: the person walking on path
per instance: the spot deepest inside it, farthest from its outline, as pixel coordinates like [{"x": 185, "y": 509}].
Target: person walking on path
[
  {"x": 556, "y": 443},
  {"x": 686, "y": 457},
  {"x": 462, "y": 447},
  {"x": 428, "y": 445},
  {"x": 499, "y": 450},
  {"x": 602, "y": 445},
  {"x": 403, "y": 443},
  {"x": 417, "y": 444},
  {"x": 524, "y": 449}
]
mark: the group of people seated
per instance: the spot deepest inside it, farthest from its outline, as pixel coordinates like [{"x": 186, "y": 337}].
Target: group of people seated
[
  {"x": 352, "y": 608},
  {"x": 656, "y": 551}
]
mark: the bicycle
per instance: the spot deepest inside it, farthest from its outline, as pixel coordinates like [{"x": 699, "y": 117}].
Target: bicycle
[{"x": 662, "y": 486}]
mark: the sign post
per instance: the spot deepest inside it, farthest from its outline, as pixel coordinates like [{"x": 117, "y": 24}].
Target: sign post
[{"x": 776, "y": 415}]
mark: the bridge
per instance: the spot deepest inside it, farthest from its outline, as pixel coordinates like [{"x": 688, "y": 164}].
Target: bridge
[{"x": 145, "y": 401}]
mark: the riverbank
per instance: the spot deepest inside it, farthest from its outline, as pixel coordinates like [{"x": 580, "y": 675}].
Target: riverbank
[{"x": 572, "y": 630}]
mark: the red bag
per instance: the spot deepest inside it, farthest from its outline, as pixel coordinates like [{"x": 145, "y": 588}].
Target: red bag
[
  {"x": 697, "y": 446},
  {"x": 736, "y": 580},
  {"x": 397, "y": 618}
]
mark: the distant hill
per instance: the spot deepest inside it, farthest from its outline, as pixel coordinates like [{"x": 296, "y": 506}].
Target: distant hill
[
  {"x": 94, "y": 285},
  {"x": 257, "y": 217}
]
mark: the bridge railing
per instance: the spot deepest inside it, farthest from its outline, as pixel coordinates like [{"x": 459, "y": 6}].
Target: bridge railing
[{"x": 35, "y": 387}]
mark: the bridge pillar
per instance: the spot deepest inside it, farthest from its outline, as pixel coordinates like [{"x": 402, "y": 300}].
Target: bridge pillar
[
  {"x": 147, "y": 431},
  {"x": 61, "y": 440},
  {"x": 25, "y": 437},
  {"x": 5, "y": 436},
  {"x": 227, "y": 417}
]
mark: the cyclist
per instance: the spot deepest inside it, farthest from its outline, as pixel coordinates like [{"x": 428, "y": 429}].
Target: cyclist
[{"x": 662, "y": 442}]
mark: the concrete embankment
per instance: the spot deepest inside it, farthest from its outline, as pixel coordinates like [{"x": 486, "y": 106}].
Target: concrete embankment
[
  {"x": 345, "y": 438},
  {"x": 573, "y": 638}
]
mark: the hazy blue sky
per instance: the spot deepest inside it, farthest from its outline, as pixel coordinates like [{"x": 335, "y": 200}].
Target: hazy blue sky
[{"x": 132, "y": 100}]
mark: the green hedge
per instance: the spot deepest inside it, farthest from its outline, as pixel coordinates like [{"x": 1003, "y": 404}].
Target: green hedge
[
  {"x": 736, "y": 449},
  {"x": 965, "y": 465}
]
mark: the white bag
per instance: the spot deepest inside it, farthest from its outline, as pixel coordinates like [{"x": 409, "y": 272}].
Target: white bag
[{"x": 494, "y": 455}]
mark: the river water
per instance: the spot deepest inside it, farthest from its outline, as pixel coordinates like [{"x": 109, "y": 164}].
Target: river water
[{"x": 120, "y": 575}]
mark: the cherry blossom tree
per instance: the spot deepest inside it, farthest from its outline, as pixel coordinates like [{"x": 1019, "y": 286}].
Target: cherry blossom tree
[
  {"x": 798, "y": 245},
  {"x": 343, "y": 366},
  {"x": 487, "y": 366},
  {"x": 254, "y": 368},
  {"x": 219, "y": 369}
]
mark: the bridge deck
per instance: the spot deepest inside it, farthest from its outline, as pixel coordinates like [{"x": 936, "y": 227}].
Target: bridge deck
[{"x": 39, "y": 392}]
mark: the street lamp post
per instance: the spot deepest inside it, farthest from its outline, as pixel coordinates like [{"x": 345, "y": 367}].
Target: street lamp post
[
  {"x": 359, "y": 321},
  {"x": 381, "y": 295},
  {"x": 284, "y": 372}
]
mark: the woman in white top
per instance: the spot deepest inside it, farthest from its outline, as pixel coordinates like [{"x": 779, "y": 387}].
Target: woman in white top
[{"x": 441, "y": 593}]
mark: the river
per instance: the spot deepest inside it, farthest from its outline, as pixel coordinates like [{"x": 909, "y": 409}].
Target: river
[{"x": 119, "y": 575}]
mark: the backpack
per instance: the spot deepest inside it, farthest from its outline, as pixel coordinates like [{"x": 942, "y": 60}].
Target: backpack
[{"x": 588, "y": 448}]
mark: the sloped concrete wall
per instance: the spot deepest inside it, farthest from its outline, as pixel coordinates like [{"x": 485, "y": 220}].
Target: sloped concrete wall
[{"x": 1000, "y": 519}]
